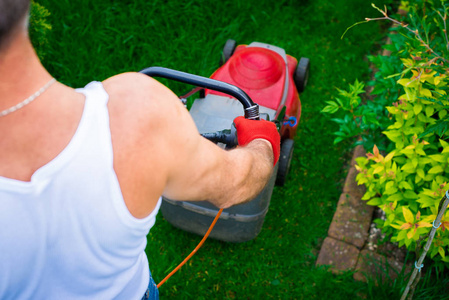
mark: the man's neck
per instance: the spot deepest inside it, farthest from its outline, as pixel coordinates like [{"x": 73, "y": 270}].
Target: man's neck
[{"x": 21, "y": 73}]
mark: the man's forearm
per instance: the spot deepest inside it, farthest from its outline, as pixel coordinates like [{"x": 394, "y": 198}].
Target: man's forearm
[{"x": 249, "y": 169}]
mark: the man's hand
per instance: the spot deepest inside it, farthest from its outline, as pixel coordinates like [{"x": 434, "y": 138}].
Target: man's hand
[{"x": 248, "y": 130}]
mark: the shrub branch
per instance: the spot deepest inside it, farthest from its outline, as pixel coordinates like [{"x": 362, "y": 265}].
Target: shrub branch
[
  {"x": 414, "y": 32},
  {"x": 412, "y": 282}
]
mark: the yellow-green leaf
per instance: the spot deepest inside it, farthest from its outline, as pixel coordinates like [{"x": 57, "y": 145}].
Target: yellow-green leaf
[
  {"x": 408, "y": 167},
  {"x": 429, "y": 111},
  {"x": 378, "y": 169},
  {"x": 410, "y": 195},
  {"x": 375, "y": 201},
  {"x": 401, "y": 235},
  {"x": 405, "y": 185},
  {"x": 435, "y": 170},
  {"x": 389, "y": 156},
  {"x": 420, "y": 151},
  {"x": 438, "y": 158},
  {"x": 410, "y": 234},
  {"x": 408, "y": 152},
  {"x": 417, "y": 108},
  {"x": 390, "y": 217},
  {"x": 420, "y": 173},
  {"x": 393, "y": 110},
  {"x": 407, "y": 242},
  {"x": 444, "y": 144},
  {"x": 397, "y": 226},
  {"x": 408, "y": 215},
  {"x": 389, "y": 185},
  {"x": 395, "y": 197},
  {"x": 366, "y": 196},
  {"x": 418, "y": 179},
  {"x": 424, "y": 160},
  {"x": 426, "y": 93},
  {"x": 408, "y": 62},
  {"x": 424, "y": 119},
  {"x": 404, "y": 81},
  {"x": 391, "y": 191},
  {"x": 442, "y": 92},
  {"x": 414, "y": 162},
  {"x": 429, "y": 177}
]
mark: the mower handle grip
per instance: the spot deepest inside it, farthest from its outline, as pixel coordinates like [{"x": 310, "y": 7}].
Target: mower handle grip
[
  {"x": 251, "y": 108},
  {"x": 226, "y": 137}
]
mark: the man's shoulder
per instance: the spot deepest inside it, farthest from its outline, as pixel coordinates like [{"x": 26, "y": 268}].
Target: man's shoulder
[
  {"x": 135, "y": 96},
  {"x": 135, "y": 88}
]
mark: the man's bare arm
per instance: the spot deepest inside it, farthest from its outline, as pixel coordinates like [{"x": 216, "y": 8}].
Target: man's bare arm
[
  {"x": 200, "y": 170},
  {"x": 158, "y": 150},
  {"x": 225, "y": 178}
]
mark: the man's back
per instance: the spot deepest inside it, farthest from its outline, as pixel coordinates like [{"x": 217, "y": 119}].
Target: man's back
[{"x": 70, "y": 232}]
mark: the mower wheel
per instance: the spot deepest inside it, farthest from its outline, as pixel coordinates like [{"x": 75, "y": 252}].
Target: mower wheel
[
  {"x": 302, "y": 74},
  {"x": 228, "y": 50},
  {"x": 285, "y": 160}
]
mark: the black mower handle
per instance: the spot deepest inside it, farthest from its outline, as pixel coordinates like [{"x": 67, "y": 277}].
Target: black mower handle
[
  {"x": 227, "y": 137},
  {"x": 251, "y": 108}
]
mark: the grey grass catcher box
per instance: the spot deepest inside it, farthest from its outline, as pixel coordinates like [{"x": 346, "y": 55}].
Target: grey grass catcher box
[{"x": 239, "y": 223}]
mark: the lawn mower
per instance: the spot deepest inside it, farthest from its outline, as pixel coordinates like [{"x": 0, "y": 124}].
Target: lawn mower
[{"x": 258, "y": 81}]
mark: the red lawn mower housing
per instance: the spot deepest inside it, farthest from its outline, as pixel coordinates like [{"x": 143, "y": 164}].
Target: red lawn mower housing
[{"x": 273, "y": 80}]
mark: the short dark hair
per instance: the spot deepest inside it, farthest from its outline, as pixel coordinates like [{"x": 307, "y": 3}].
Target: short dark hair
[{"x": 11, "y": 13}]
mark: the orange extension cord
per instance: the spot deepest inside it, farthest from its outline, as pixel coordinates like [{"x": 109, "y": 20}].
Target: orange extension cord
[{"x": 194, "y": 250}]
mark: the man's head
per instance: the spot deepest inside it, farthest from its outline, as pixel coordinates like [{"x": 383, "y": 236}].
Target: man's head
[{"x": 12, "y": 12}]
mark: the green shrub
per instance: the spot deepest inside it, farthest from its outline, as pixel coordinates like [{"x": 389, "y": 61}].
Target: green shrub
[
  {"x": 365, "y": 119},
  {"x": 407, "y": 182},
  {"x": 357, "y": 118},
  {"x": 39, "y": 28}
]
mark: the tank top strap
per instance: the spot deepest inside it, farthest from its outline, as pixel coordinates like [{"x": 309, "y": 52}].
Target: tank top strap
[
  {"x": 97, "y": 117},
  {"x": 94, "y": 91}
]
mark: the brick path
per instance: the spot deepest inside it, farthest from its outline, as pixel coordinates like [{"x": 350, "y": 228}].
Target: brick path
[{"x": 343, "y": 248}]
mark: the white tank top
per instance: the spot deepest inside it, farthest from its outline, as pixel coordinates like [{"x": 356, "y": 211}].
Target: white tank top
[{"x": 67, "y": 234}]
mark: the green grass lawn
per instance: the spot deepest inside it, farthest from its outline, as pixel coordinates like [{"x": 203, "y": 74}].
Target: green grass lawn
[{"x": 92, "y": 40}]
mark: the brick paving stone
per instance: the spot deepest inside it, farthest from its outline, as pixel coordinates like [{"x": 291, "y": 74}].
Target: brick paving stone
[
  {"x": 348, "y": 199},
  {"x": 375, "y": 266},
  {"x": 351, "y": 186},
  {"x": 359, "y": 151},
  {"x": 339, "y": 255},
  {"x": 351, "y": 221}
]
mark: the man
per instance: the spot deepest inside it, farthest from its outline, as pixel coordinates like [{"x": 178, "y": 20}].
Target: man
[{"x": 82, "y": 172}]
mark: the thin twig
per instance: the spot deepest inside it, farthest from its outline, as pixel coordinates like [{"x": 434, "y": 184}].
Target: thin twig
[
  {"x": 426, "y": 247},
  {"x": 445, "y": 29},
  {"x": 413, "y": 287},
  {"x": 415, "y": 32}
]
